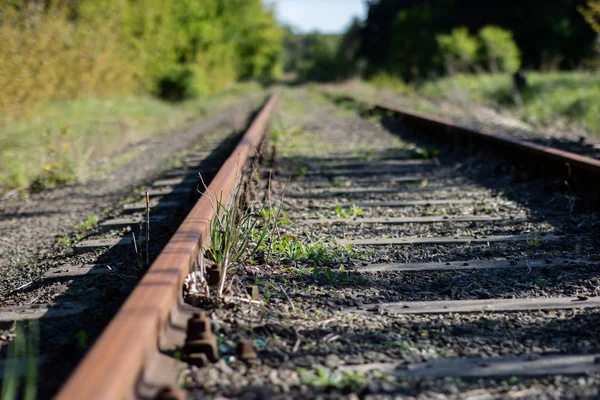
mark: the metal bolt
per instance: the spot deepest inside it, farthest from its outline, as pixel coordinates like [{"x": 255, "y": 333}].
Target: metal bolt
[
  {"x": 253, "y": 292},
  {"x": 214, "y": 275},
  {"x": 200, "y": 343},
  {"x": 245, "y": 350}
]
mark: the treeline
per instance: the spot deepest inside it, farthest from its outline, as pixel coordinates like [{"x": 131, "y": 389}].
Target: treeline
[
  {"x": 172, "y": 48},
  {"x": 321, "y": 57},
  {"x": 419, "y": 39}
]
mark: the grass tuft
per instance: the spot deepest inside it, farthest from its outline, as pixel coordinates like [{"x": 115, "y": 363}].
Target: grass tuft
[
  {"x": 90, "y": 222},
  {"x": 323, "y": 377},
  {"x": 24, "y": 346},
  {"x": 347, "y": 213},
  {"x": 235, "y": 235},
  {"x": 420, "y": 153},
  {"x": 65, "y": 141},
  {"x": 287, "y": 248}
]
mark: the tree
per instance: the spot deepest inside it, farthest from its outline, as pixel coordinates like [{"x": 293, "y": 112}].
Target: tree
[
  {"x": 399, "y": 36},
  {"x": 591, "y": 13},
  {"x": 458, "y": 50}
]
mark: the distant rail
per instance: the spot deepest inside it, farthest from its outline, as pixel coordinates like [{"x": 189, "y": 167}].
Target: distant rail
[{"x": 578, "y": 174}]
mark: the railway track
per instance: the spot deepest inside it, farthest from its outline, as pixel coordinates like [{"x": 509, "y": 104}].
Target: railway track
[
  {"x": 390, "y": 265},
  {"x": 84, "y": 283}
]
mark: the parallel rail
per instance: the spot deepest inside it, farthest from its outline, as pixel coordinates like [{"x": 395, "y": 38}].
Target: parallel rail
[
  {"x": 578, "y": 174},
  {"x": 114, "y": 366}
]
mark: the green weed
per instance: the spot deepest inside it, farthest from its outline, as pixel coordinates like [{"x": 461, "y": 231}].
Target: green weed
[
  {"x": 488, "y": 209},
  {"x": 322, "y": 378},
  {"x": 350, "y": 212},
  {"x": 542, "y": 283},
  {"x": 436, "y": 212},
  {"x": 302, "y": 170},
  {"x": 571, "y": 96},
  {"x": 280, "y": 133},
  {"x": 274, "y": 214},
  {"x": 424, "y": 153},
  {"x": 337, "y": 276},
  {"x": 340, "y": 182},
  {"x": 65, "y": 241},
  {"x": 235, "y": 235},
  {"x": 25, "y": 345},
  {"x": 384, "y": 80},
  {"x": 83, "y": 341},
  {"x": 90, "y": 222},
  {"x": 418, "y": 184},
  {"x": 536, "y": 241},
  {"x": 267, "y": 294},
  {"x": 288, "y": 248},
  {"x": 72, "y": 136}
]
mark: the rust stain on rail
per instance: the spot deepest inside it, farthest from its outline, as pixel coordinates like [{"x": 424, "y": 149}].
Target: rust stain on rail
[
  {"x": 578, "y": 173},
  {"x": 113, "y": 366},
  {"x": 545, "y": 151}
]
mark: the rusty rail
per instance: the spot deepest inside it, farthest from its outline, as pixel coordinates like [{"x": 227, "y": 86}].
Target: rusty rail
[
  {"x": 578, "y": 174},
  {"x": 113, "y": 367}
]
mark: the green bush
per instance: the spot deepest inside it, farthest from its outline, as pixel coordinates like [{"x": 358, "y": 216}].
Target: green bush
[
  {"x": 572, "y": 97},
  {"x": 120, "y": 47},
  {"x": 179, "y": 83},
  {"x": 412, "y": 46},
  {"x": 591, "y": 13},
  {"x": 385, "y": 80},
  {"x": 498, "y": 50},
  {"x": 458, "y": 50}
]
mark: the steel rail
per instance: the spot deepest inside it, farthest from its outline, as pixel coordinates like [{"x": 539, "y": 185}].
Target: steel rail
[
  {"x": 112, "y": 368},
  {"x": 581, "y": 174}
]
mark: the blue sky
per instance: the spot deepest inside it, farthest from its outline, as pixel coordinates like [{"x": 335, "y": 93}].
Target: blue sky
[{"x": 326, "y": 16}]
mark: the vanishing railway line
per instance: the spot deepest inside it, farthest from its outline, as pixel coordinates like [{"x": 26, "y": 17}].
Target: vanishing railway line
[{"x": 406, "y": 256}]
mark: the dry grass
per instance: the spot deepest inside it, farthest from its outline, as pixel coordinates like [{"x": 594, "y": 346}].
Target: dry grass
[
  {"x": 550, "y": 96},
  {"x": 66, "y": 141},
  {"x": 43, "y": 56}
]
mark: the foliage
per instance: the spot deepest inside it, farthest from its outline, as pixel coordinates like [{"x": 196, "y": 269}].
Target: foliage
[
  {"x": 420, "y": 153},
  {"x": 323, "y": 377},
  {"x": 591, "y": 13},
  {"x": 570, "y": 96},
  {"x": 235, "y": 235},
  {"x": 323, "y": 50},
  {"x": 179, "y": 83},
  {"x": 44, "y": 56},
  {"x": 25, "y": 346},
  {"x": 91, "y": 221},
  {"x": 288, "y": 248},
  {"x": 313, "y": 56},
  {"x": 62, "y": 49},
  {"x": 72, "y": 140},
  {"x": 498, "y": 51},
  {"x": 386, "y": 80},
  {"x": 399, "y": 36},
  {"x": 323, "y": 57},
  {"x": 458, "y": 50},
  {"x": 350, "y": 212},
  {"x": 335, "y": 276},
  {"x": 260, "y": 42},
  {"x": 414, "y": 58}
]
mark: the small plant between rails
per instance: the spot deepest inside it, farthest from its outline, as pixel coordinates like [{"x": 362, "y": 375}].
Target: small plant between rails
[{"x": 247, "y": 232}]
